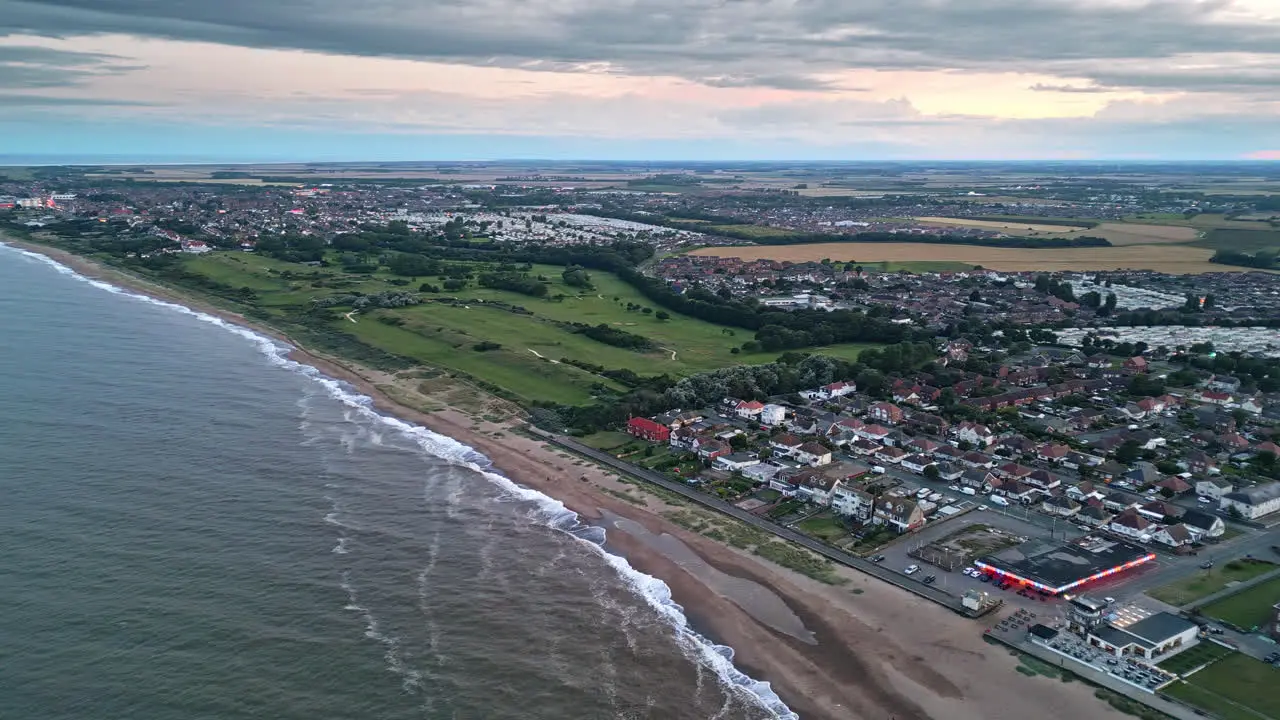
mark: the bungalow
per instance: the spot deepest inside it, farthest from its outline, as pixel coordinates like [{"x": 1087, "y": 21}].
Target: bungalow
[
  {"x": 885, "y": 412},
  {"x": 949, "y": 472},
  {"x": 1204, "y": 524},
  {"x": 1253, "y": 405},
  {"x": 1083, "y": 491},
  {"x": 975, "y": 434},
  {"x": 1143, "y": 474},
  {"x": 1094, "y": 515},
  {"x": 812, "y": 454},
  {"x": 865, "y": 447},
  {"x": 1026, "y": 494},
  {"x": 899, "y": 513},
  {"x": 1043, "y": 479},
  {"x": 1110, "y": 470},
  {"x": 760, "y": 472},
  {"x": 1174, "y": 535},
  {"x": 1060, "y": 505},
  {"x": 1214, "y": 397},
  {"x": 1131, "y": 525},
  {"x": 976, "y": 459},
  {"x": 851, "y": 502},
  {"x": 647, "y": 429},
  {"x": 915, "y": 463},
  {"x": 830, "y": 392},
  {"x": 1214, "y": 487},
  {"x": 928, "y": 423},
  {"x": 1053, "y": 452},
  {"x": 1097, "y": 362},
  {"x": 785, "y": 444},
  {"x": 1159, "y": 511},
  {"x": 976, "y": 478},
  {"x": 924, "y": 446},
  {"x": 748, "y": 409},
  {"x": 1252, "y": 503},
  {"x": 1014, "y": 471},
  {"x": 1175, "y": 485},
  {"x": 1119, "y": 502},
  {"x": 1076, "y": 460},
  {"x": 735, "y": 462},
  {"x": 1149, "y": 405},
  {"x": 891, "y": 455},
  {"x": 874, "y": 433}
]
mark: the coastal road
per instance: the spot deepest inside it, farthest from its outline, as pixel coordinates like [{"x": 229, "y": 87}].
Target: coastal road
[{"x": 926, "y": 591}]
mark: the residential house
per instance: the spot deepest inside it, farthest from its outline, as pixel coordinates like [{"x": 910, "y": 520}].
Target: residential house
[
  {"x": 1076, "y": 460},
  {"x": 830, "y": 392},
  {"x": 1175, "y": 485},
  {"x": 874, "y": 433},
  {"x": 748, "y": 409},
  {"x": 1060, "y": 505},
  {"x": 915, "y": 463},
  {"x": 976, "y": 459},
  {"x": 1214, "y": 397},
  {"x": 865, "y": 447},
  {"x": 1136, "y": 364},
  {"x": 647, "y": 429},
  {"x": 760, "y": 472},
  {"x": 1267, "y": 447},
  {"x": 815, "y": 487},
  {"x": 1160, "y": 511},
  {"x": 1119, "y": 502},
  {"x": 976, "y": 478},
  {"x": 812, "y": 454},
  {"x": 1131, "y": 525},
  {"x": 1174, "y": 536},
  {"x": 902, "y": 514},
  {"x": 1014, "y": 471},
  {"x": 886, "y": 413},
  {"x": 1204, "y": 524},
  {"x": 772, "y": 415},
  {"x": 1253, "y": 503},
  {"x": 735, "y": 462},
  {"x": 1053, "y": 452},
  {"x": 1094, "y": 515},
  {"x": 1143, "y": 475},
  {"x": 1110, "y": 470},
  {"x": 852, "y": 502},
  {"x": 785, "y": 444},
  {"x": 892, "y": 455},
  {"x": 683, "y": 438},
  {"x": 1199, "y": 462},
  {"x": 924, "y": 446},
  {"x": 975, "y": 434},
  {"x": 1223, "y": 383},
  {"x": 1214, "y": 487},
  {"x": 949, "y": 472},
  {"x": 1042, "y": 479},
  {"x": 711, "y": 448},
  {"x": 1082, "y": 491}
]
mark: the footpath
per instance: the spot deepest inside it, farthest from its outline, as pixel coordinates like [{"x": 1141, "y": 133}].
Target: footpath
[{"x": 927, "y": 592}]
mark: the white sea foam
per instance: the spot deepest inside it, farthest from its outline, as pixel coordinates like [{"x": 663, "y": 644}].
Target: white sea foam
[{"x": 655, "y": 592}]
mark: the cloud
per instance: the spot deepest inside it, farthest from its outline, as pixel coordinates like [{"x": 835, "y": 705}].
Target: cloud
[
  {"x": 1045, "y": 87},
  {"x": 34, "y": 67},
  {"x": 28, "y": 100},
  {"x": 771, "y": 43}
]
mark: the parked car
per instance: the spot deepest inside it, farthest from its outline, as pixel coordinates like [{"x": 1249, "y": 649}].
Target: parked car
[
  {"x": 1206, "y": 564},
  {"x": 877, "y": 558},
  {"x": 1204, "y": 500},
  {"x": 912, "y": 569},
  {"x": 928, "y": 580}
]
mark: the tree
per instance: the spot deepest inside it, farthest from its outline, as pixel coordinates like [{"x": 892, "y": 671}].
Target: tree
[
  {"x": 931, "y": 472},
  {"x": 662, "y": 315},
  {"x": 1128, "y": 452},
  {"x": 738, "y": 442},
  {"x": 576, "y": 276}
]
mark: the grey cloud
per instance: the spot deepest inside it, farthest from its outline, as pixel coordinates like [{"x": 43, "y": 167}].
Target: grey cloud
[
  {"x": 1044, "y": 87},
  {"x": 32, "y": 67},
  {"x": 775, "y": 43}
]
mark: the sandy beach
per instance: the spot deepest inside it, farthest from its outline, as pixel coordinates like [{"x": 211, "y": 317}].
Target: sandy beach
[{"x": 862, "y": 649}]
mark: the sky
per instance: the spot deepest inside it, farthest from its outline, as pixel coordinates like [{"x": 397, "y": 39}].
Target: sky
[{"x": 263, "y": 80}]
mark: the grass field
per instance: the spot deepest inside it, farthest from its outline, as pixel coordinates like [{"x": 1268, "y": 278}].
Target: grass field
[
  {"x": 527, "y": 364},
  {"x": 1237, "y": 687},
  {"x": 1248, "y": 608},
  {"x": 1166, "y": 257},
  {"x": 825, "y": 527},
  {"x": 1200, "y": 654},
  {"x": 1240, "y": 240},
  {"x": 1190, "y": 589}
]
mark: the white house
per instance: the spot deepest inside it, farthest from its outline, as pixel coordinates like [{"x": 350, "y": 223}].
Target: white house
[
  {"x": 1132, "y": 525},
  {"x": 1252, "y": 503},
  {"x": 812, "y": 454},
  {"x": 852, "y": 502},
  {"x": 830, "y": 392},
  {"x": 748, "y": 409},
  {"x": 735, "y": 462},
  {"x": 916, "y": 463},
  {"x": 1214, "y": 487},
  {"x": 1174, "y": 535},
  {"x": 772, "y": 415},
  {"x": 975, "y": 434}
]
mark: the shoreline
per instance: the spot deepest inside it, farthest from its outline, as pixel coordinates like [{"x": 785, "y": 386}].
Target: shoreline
[{"x": 871, "y": 651}]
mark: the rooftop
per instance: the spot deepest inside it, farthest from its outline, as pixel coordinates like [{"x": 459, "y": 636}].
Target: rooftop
[{"x": 1058, "y": 568}]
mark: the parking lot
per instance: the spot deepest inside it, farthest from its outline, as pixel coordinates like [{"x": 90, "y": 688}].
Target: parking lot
[{"x": 897, "y": 556}]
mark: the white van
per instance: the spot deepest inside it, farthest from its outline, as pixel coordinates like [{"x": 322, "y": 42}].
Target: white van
[{"x": 997, "y": 500}]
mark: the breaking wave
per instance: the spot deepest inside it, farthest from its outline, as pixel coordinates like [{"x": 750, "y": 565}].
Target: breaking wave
[{"x": 552, "y": 512}]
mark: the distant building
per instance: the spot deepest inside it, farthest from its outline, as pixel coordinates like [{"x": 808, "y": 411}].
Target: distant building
[
  {"x": 1254, "y": 502},
  {"x": 647, "y": 429}
]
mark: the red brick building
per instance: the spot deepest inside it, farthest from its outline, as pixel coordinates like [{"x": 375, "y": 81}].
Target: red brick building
[{"x": 648, "y": 430}]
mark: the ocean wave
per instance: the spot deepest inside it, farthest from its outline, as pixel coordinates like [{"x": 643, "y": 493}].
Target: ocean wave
[{"x": 552, "y": 512}]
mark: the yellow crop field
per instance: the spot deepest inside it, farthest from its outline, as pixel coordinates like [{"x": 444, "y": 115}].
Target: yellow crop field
[
  {"x": 1170, "y": 258},
  {"x": 1137, "y": 234}
]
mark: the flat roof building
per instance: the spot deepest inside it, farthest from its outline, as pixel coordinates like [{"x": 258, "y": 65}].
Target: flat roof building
[
  {"x": 1059, "y": 568},
  {"x": 1149, "y": 638}
]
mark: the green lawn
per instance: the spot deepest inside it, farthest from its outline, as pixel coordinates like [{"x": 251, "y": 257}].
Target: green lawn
[
  {"x": 443, "y": 335},
  {"x": 606, "y": 440},
  {"x": 1208, "y": 582},
  {"x": 825, "y": 527},
  {"x": 1195, "y": 656},
  {"x": 1235, "y": 688},
  {"x": 1247, "y": 609}
]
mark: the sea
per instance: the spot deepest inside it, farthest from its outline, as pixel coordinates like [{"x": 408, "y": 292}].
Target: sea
[{"x": 194, "y": 526}]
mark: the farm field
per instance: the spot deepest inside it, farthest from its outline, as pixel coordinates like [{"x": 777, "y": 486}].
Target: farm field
[
  {"x": 1237, "y": 687},
  {"x": 1190, "y": 589},
  {"x": 1246, "y": 609},
  {"x": 1011, "y": 226},
  {"x": 533, "y": 344},
  {"x": 1250, "y": 241},
  {"x": 1170, "y": 258}
]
